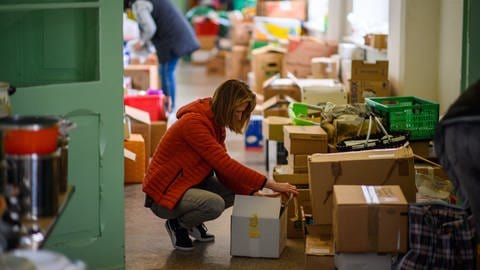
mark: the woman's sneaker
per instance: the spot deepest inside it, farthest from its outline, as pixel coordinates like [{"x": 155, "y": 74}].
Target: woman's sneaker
[
  {"x": 178, "y": 235},
  {"x": 199, "y": 232}
]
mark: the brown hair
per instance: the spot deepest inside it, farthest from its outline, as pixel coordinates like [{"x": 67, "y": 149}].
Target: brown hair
[{"x": 227, "y": 98}]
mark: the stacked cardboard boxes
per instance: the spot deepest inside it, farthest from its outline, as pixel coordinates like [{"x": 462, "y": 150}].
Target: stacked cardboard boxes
[
  {"x": 301, "y": 51},
  {"x": 266, "y": 63},
  {"x": 380, "y": 214},
  {"x": 368, "y": 80},
  {"x": 370, "y": 167}
]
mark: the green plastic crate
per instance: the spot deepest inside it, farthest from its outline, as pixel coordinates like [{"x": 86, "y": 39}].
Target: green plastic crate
[
  {"x": 296, "y": 110},
  {"x": 416, "y": 115}
]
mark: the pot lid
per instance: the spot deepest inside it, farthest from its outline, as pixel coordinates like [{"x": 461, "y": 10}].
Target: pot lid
[{"x": 27, "y": 122}]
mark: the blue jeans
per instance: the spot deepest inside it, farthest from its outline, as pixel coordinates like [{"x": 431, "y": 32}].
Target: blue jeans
[
  {"x": 167, "y": 75},
  {"x": 205, "y": 202},
  {"x": 458, "y": 149}
]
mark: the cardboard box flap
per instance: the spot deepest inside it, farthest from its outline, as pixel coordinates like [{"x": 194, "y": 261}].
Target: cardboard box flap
[
  {"x": 268, "y": 49},
  {"x": 262, "y": 207},
  {"x": 285, "y": 174},
  {"x": 375, "y": 71},
  {"x": 324, "y": 85},
  {"x": 319, "y": 241},
  {"x": 390, "y": 153},
  {"x": 137, "y": 114},
  {"x": 276, "y": 81},
  {"x": 305, "y": 132},
  {"x": 353, "y": 195},
  {"x": 276, "y": 100},
  {"x": 277, "y": 120}
]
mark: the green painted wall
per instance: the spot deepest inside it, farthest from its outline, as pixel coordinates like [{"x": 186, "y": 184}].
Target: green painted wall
[{"x": 65, "y": 56}]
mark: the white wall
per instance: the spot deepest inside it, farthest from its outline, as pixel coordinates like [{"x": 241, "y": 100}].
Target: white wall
[
  {"x": 450, "y": 52},
  {"x": 425, "y": 49}
]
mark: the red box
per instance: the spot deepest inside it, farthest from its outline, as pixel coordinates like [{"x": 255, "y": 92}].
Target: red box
[
  {"x": 206, "y": 27},
  {"x": 149, "y": 103}
]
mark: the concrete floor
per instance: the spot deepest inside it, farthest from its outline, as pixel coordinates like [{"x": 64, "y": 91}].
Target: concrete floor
[{"x": 147, "y": 244}]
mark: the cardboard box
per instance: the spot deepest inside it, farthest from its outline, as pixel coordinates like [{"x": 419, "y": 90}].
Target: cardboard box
[
  {"x": 241, "y": 32},
  {"x": 157, "y": 129},
  {"x": 423, "y": 148},
  {"x": 266, "y": 63},
  {"x": 321, "y": 91},
  {"x": 143, "y": 76},
  {"x": 134, "y": 159},
  {"x": 285, "y": 174},
  {"x": 381, "y": 219},
  {"x": 237, "y": 64},
  {"x": 207, "y": 42},
  {"x": 325, "y": 67},
  {"x": 356, "y": 261},
  {"x": 301, "y": 51},
  {"x": 319, "y": 252},
  {"x": 359, "y": 90},
  {"x": 296, "y": 9},
  {"x": 258, "y": 227},
  {"x": 299, "y": 163},
  {"x": 140, "y": 124},
  {"x": 369, "y": 71},
  {"x": 370, "y": 167},
  {"x": 281, "y": 86},
  {"x": 378, "y": 41},
  {"x": 216, "y": 65},
  {"x": 276, "y": 106},
  {"x": 273, "y": 127},
  {"x": 304, "y": 139}
]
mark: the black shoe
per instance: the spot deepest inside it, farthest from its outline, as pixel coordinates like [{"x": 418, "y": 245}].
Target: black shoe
[
  {"x": 178, "y": 235},
  {"x": 200, "y": 233}
]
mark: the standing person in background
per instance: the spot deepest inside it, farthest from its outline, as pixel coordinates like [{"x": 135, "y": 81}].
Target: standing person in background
[
  {"x": 162, "y": 24},
  {"x": 457, "y": 145},
  {"x": 191, "y": 178}
]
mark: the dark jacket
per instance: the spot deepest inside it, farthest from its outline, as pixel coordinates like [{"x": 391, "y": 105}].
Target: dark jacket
[
  {"x": 188, "y": 152},
  {"x": 466, "y": 109},
  {"x": 174, "y": 36}
]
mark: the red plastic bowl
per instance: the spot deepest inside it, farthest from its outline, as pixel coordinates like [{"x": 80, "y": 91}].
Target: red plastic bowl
[{"x": 29, "y": 134}]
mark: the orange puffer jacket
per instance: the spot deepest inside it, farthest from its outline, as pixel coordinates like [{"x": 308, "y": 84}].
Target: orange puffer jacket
[{"x": 188, "y": 152}]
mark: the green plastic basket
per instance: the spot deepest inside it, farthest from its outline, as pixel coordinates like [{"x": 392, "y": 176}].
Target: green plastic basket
[
  {"x": 413, "y": 114},
  {"x": 296, "y": 110}
]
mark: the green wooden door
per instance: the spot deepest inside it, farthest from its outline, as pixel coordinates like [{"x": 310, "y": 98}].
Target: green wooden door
[
  {"x": 65, "y": 58},
  {"x": 471, "y": 43}
]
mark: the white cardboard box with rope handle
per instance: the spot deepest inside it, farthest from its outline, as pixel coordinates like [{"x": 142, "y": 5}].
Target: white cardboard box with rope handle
[{"x": 258, "y": 226}]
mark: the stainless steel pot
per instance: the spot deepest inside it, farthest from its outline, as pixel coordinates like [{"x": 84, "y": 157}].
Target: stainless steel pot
[{"x": 36, "y": 181}]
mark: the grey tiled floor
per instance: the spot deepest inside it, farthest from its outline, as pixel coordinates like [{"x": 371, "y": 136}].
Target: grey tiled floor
[{"x": 147, "y": 244}]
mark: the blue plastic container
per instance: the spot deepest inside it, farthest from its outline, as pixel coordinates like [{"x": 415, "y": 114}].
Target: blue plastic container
[{"x": 253, "y": 134}]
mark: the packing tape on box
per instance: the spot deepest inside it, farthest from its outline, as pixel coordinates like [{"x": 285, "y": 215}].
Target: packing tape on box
[
  {"x": 372, "y": 200},
  {"x": 253, "y": 230}
]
